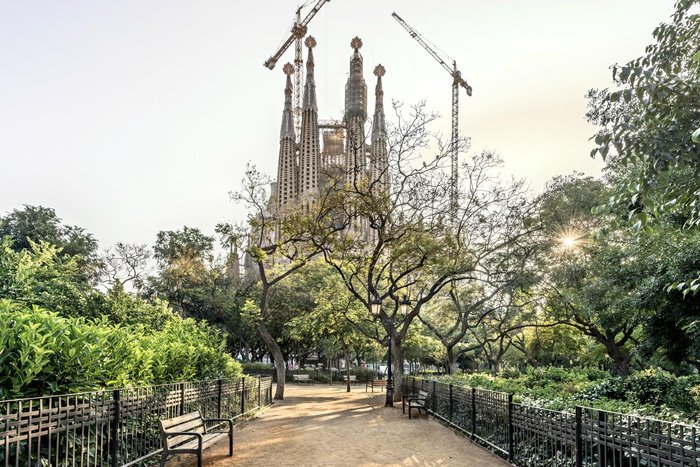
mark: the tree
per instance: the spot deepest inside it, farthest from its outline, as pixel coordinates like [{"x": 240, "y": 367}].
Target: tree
[
  {"x": 590, "y": 282},
  {"x": 34, "y": 224},
  {"x": 40, "y": 275},
  {"x": 125, "y": 265},
  {"x": 335, "y": 316},
  {"x": 416, "y": 244},
  {"x": 278, "y": 246},
  {"x": 649, "y": 123},
  {"x": 185, "y": 258}
]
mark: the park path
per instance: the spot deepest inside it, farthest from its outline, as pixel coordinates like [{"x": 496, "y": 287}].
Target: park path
[{"x": 321, "y": 425}]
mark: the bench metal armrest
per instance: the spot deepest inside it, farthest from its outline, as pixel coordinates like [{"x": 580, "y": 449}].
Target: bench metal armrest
[{"x": 228, "y": 420}]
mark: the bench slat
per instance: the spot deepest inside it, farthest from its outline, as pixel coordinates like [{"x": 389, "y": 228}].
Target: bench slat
[
  {"x": 181, "y": 419},
  {"x": 207, "y": 440},
  {"x": 175, "y": 441},
  {"x": 193, "y": 425}
]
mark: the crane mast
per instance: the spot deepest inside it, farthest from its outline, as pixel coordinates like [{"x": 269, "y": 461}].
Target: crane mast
[
  {"x": 457, "y": 81},
  {"x": 297, "y": 35}
]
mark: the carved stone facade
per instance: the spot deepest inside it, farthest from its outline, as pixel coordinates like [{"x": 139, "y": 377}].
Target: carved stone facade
[{"x": 325, "y": 151}]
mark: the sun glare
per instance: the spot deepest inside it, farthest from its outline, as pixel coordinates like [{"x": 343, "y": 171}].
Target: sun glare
[
  {"x": 570, "y": 239},
  {"x": 568, "y": 242}
]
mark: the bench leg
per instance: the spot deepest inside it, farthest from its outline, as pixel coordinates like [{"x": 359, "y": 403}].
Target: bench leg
[
  {"x": 163, "y": 458},
  {"x": 230, "y": 443},
  {"x": 199, "y": 459}
]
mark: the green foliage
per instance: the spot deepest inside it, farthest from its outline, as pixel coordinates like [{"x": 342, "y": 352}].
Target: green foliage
[
  {"x": 43, "y": 353},
  {"x": 35, "y": 224},
  {"x": 650, "y": 392},
  {"x": 255, "y": 368},
  {"x": 40, "y": 275},
  {"x": 647, "y": 123}
]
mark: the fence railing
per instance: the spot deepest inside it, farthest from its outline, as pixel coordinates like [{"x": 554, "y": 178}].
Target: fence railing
[
  {"x": 532, "y": 436},
  {"x": 117, "y": 427}
]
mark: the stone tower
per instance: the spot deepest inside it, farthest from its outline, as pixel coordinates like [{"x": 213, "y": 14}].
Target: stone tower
[
  {"x": 309, "y": 150},
  {"x": 379, "y": 156},
  {"x": 286, "y": 165},
  {"x": 355, "y": 116}
]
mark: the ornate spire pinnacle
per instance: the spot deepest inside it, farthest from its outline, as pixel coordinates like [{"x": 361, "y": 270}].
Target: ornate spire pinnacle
[
  {"x": 356, "y": 43},
  {"x": 310, "y": 85},
  {"x": 287, "y": 130},
  {"x": 379, "y": 71}
]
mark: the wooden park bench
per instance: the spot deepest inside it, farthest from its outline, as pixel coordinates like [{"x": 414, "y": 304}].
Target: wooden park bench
[
  {"x": 302, "y": 378},
  {"x": 188, "y": 434},
  {"x": 379, "y": 383},
  {"x": 353, "y": 379},
  {"x": 415, "y": 401}
]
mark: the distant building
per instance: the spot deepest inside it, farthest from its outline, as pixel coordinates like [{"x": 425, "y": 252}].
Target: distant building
[{"x": 329, "y": 150}]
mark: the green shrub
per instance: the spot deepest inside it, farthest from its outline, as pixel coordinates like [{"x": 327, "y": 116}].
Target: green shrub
[
  {"x": 255, "y": 368},
  {"x": 43, "y": 353}
]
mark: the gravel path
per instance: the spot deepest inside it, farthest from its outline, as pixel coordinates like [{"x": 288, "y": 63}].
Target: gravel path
[{"x": 325, "y": 426}]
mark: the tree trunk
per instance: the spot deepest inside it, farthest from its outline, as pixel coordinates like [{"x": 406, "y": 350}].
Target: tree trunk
[
  {"x": 451, "y": 361},
  {"x": 397, "y": 354},
  {"x": 347, "y": 367},
  {"x": 277, "y": 356},
  {"x": 620, "y": 357}
]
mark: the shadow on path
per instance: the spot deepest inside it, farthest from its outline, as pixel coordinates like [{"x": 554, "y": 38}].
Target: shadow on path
[{"x": 326, "y": 426}]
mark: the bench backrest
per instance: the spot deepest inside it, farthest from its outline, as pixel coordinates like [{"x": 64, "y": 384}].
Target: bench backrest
[
  {"x": 300, "y": 376},
  {"x": 352, "y": 377},
  {"x": 422, "y": 395},
  {"x": 191, "y": 423}
]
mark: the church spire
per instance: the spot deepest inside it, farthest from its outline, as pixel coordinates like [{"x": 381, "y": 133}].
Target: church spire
[
  {"x": 355, "y": 116},
  {"x": 379, "y": 123},
  {"x": 310, "y": 84},
  {"x": 356, "y": 88},
  {"x": 286, "y": 164},
  {"x": 309, "y": 147},
  {"x": 287, "y": 129},
  {"x": 379, "y": 158}
]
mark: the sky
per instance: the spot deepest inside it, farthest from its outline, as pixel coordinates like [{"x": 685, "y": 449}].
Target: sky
[{"x": 129, "y": 116}]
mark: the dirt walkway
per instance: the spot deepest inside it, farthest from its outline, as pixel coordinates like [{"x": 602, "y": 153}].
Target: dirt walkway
[{"x": 325, "y": 426}]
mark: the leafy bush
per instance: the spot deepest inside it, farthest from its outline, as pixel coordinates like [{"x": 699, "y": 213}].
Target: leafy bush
[
  {"x": 651, "y": 392},
  {"x": 43, "y": 353},
  {"x": 254, "y": 368}
]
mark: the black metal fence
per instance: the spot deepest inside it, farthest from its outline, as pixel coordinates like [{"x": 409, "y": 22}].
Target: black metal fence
[
  {"x": 115, "y": 428},
  {"x": 532, "y": 436}
]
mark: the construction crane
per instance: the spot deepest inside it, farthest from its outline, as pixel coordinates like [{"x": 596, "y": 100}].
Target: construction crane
[
  {"x": 298, "y": 32},
  {"x": 457, "y": 81}
]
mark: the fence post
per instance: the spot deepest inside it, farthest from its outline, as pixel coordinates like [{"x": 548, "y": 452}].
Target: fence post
[
  {"x": 414, "y": 386},
  {"x": 114, "y": 435},
  {"x": 579, "y": 437},
  {"x": 602, "y": 454},
  {"x": 473, "y": 412},
  {"x": 435, "y": 409},
  {"x": 242, "y": 395},
  {"x": 510, "y": 428},
  {"x": 259, "y": 392},
  {"x": 451, "y": 403},
  {"x": 218, "y": 401},
  {"x": 182, "y": 398}
]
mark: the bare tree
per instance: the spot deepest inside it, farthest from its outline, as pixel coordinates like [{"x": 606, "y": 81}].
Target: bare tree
[
  {"x": 278, "y": 245},
  {"x": 412, "y": 243},
  {"x": 125, "y": 264}
]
